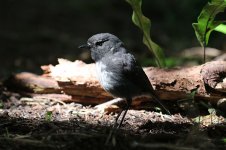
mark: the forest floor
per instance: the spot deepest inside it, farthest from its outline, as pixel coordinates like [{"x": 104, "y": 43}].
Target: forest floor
[{"x": 26, "y": 123}]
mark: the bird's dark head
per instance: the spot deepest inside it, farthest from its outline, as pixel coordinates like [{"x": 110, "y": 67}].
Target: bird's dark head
[{"x": 102, "y": 44}]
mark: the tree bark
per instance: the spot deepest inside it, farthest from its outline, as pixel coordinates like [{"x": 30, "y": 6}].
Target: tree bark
[{"x": 76, "y": 81}]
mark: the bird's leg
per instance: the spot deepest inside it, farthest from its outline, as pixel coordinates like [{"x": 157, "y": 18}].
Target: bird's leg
[
  {"x": 115, "y": 127},
  {"x": 116, "y": 119},
  {"x": 129, "y": 101}
]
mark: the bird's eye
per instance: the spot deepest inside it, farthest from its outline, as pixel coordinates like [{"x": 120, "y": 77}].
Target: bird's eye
[{"x": 100, "y": 43}]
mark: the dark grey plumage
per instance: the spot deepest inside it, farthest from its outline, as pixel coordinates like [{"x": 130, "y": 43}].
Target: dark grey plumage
[{"x": 117, "y": 69}]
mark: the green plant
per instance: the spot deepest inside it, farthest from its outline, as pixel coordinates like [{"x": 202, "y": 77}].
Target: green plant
[
  {"x": 221, "y": 28},
  {"x": 6, "y": 134},
  {"x": 48, "y": 116},
  {"x": 206, "y": 22},
  {"x": 144, "y": 24},
  {"x": 1, "y": 104}
]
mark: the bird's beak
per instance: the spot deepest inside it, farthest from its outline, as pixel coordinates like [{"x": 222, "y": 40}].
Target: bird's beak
[{"x": 85, "y": 46}]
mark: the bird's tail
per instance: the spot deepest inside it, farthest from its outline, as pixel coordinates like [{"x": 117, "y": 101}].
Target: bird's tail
[{"x": 156, "y": 98}]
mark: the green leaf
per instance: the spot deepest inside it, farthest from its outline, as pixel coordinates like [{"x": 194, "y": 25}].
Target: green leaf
[
  {"x": 212, "y": 111},
  {"x": 206, "y": 23},
  {"x": 221, "y": 28},
  {"x": 192, "y": 94},
  {"x": 48, "y": 116},
  {"x": 144, "y": 24},
  {"x": 1, "y": 104}
]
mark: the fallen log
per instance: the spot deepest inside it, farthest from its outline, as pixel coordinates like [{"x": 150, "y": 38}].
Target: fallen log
[{"x": 77, "y": 82}]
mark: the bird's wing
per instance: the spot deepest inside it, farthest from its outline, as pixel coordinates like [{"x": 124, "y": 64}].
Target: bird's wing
[
  {"x": 131, "y": 70},
  {"x": 134, "y": 72}
]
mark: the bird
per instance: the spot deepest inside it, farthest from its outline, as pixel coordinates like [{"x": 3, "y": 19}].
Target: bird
[{"x": 118, "y": 71}]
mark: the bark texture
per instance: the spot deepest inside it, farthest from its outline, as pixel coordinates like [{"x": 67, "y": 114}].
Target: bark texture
[{"x": 76, "y": 81}]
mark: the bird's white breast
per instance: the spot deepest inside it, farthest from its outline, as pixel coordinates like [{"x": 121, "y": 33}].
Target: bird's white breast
[{"x": 105, "y": 77}]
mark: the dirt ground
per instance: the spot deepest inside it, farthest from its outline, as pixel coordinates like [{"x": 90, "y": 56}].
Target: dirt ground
[
  {"x": 27, "y": 123},
  {"x": 36, "y": 32}
]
